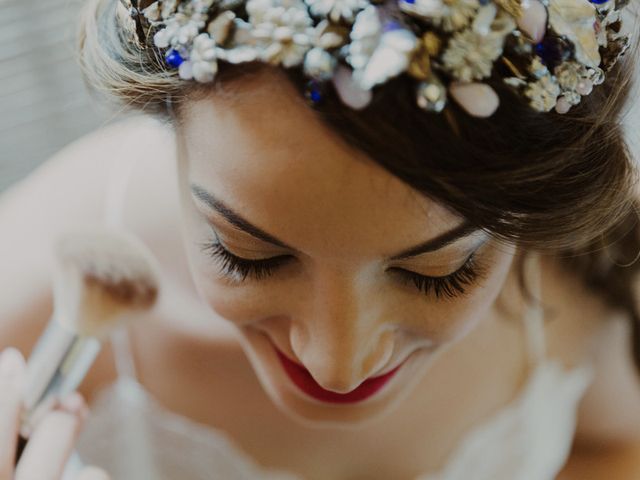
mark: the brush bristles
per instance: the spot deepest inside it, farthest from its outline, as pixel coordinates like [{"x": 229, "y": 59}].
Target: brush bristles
[
  {"x": 138, "y": 292},
  {"x": 102, "y": 274}
]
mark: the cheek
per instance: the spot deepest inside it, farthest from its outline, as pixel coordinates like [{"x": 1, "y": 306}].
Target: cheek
[
  {"x": 221, "y": 299},
  {"x": 240, "y": 305},
  {"x": 237, "y": 303},
  {"x": 456, "y": 319},
  {"x": 230, "y": 303}
]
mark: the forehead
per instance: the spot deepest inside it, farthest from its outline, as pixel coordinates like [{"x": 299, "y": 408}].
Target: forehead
[{"x": 267, "y": 156}]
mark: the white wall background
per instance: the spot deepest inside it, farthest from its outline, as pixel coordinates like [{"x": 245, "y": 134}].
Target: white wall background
[{"x": 43, "y": 102}]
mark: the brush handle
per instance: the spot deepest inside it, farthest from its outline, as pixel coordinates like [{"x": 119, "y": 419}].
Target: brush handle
[{"x": 60, "y": 360}]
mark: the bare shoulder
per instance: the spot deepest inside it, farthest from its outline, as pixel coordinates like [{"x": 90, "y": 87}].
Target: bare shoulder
[{"x": 582, "y": 328}]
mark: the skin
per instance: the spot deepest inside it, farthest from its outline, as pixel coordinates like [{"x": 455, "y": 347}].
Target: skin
[{"x": 335, "y": 307}]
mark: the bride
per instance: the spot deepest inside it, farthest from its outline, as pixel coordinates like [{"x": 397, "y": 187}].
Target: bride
[{"x": 413, "y": 260}]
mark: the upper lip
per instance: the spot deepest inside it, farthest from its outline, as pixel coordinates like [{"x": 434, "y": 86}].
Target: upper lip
[{"x": 378, "y": 374}]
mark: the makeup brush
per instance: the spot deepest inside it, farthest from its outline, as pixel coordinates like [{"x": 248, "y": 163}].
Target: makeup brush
[{"x": 102, "y": 277}]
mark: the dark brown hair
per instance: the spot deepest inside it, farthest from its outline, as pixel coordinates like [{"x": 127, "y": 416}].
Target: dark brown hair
[{"x": 557, "y": 184}]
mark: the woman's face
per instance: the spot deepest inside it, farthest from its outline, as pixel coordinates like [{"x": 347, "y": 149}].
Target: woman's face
[{"x": 330, "y": 248}]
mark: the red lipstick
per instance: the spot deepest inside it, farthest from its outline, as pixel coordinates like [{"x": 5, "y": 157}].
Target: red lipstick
[{"x": 303, "y": 379}]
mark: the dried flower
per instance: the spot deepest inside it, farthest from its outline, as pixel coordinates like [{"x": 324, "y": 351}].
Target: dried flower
[
  {"x": 470, "y": 54},
  {"x": 428, "y": 47},
  {"x": 202, "y": 64},
  {"x": 168, "y": 8},
  {"x": 283, "y": 30},
  {"x": 182, "y": 27},
  {"x": 575, "y": 19},
  {"x": 570, "y": 74},
  {"x": 378, "y": 53},
  {"x": 365, "y": 36},
  {"x": 450, "y": 15},
  {"x": 337, "y": 10},
  {"x": 543, "y": 93},
  {"x": 448, "y": 45},
  {"x": 431, "y": 94}
]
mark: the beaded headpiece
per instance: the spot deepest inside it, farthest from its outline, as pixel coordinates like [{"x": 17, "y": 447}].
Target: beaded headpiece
[{"x": 550, "y": 51}]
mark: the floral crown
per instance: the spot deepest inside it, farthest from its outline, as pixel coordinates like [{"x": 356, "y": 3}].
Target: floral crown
[{"x": 550, "y": 51}]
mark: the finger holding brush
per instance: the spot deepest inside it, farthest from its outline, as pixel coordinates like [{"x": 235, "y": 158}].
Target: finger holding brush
[
  {"x": 53, "y": 437},
  {"x": 102, "y": 277}
]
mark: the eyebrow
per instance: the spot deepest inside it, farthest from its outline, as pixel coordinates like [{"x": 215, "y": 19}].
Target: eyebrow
[{"x": 464, "y": 229}]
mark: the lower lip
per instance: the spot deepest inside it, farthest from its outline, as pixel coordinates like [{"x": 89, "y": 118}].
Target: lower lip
[{"x": 303, "y": 379}]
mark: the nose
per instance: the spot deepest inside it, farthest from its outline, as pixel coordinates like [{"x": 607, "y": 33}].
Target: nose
[{"x": 341, "y": 339}]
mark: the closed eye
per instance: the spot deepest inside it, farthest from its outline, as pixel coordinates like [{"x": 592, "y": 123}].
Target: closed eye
[{"x": 239, "y": 269}]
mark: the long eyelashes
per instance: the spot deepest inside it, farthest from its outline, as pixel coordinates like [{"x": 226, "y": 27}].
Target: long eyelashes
[
  {"x": 234, "y": 266},
  {"x": 449, "y": 286}
]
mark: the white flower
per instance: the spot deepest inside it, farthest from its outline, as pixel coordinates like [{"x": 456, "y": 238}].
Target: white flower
[
  {"x": 328, "y": 36},
  {"x": 202, "y": 64},
  {"x": 182, "y": 21},
  {"x": 378, "y": 55},
  {"x": 187, "y": 32},
  {"x": 242, "y": 46},
  {"x": 537, "y": 68},
  {"x": 469, "y": 57},
  {"x": 201, "y": 5},
  {"x": 282, "y": 29},
  {"x": 575, "y": 19},
  {"x": 570, "y": 74},
  {"x": 319, "y": 63},
  {"x": 168, "y": 8},
  {"x": 335, "y": 10},
  {"x": 181, "y": 29},
  {"x": 572, "y": 98},
  {"x": 163, "y": 38},
  {"x": 543, "y": 93},
  {"x": 450, "y": 15},
  {"x": 365, "y": 36},
  {"x": 471, "y": 53},
  {"x": 575, "y": 80}
]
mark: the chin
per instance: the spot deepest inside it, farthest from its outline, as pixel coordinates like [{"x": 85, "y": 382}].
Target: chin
[{"x": 310, "y": 412}]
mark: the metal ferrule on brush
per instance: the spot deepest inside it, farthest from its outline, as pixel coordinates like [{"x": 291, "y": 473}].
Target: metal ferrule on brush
[{"x": 59, "y": 362}]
